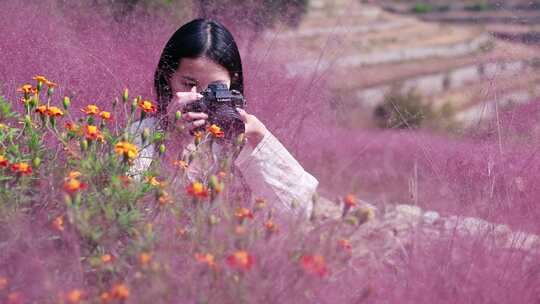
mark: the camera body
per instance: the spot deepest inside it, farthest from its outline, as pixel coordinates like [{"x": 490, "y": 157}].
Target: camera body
[{"x": 220, "y": 104}]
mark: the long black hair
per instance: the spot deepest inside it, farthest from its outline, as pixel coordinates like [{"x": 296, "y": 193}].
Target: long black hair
[{"x": 197, "y": 38}]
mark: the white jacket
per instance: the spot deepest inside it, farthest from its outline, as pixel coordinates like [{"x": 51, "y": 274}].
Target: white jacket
[{"x": 270, "y": 171}]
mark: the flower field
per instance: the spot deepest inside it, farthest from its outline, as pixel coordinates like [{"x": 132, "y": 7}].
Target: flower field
[{"x": 78, "y": 226}]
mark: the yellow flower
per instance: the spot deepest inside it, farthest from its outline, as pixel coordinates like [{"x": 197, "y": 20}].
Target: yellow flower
[
  {"x": 126, "y": 149},
  {"x": 93, "y": 133},
  {"x": 350, "y": 200},
  {"x": 147, "y": 106},
  {"x": 106, "y": 258},
  {"x": 181, "y": 164},
  {"x": 145, "y": 258},
  {"x": 164, "y": 198},
  {"x": 105, "y": 115},
  {"x": 153, "y": 181},
  {"x": 40, "y": 78},
  {"x": 120, "y": 291},
  {"x": 54, "y": 111},
  {"x": 27, "y": 89},
  {"x": 205, "y": 258},
  {"x": 198, "y": 190},
  {"x": 91, "y": 109},
  {"x": 58, "y": 223},
  {"x": 216, "y": 130},
  {"x": 3, "y": 283},
  {"x": 242, "y": 213},
  {"x": 74, "y": 296},
  {"x": 240, "y": 259},
  {"x": 50, "y": 84},
  {"x": 42, "y": 109},
  {"x": 22, "y": 168}
]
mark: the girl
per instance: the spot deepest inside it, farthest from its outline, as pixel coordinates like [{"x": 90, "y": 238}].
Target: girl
[{"x": 199, "y": 53}]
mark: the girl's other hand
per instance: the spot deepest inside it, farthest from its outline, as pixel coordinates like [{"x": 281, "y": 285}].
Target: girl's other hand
[
  {"x": 255, "y": 129},
  {"x": 193, "y": 120}
]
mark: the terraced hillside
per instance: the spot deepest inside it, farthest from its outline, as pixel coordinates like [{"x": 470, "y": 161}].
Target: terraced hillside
[{"x": 367, "y": 51}]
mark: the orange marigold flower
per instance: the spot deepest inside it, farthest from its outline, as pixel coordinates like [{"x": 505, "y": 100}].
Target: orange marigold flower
[
  {"x": 54, "y": 111},
  {"x": 270, "y": 226},
  {"x": 74, "y": 296},
  {"x": 105, "y": 115},
  {"x": 126, "y": 180},
  {"x": 40, "y": 78},
  {"x": 22, "y": 168},
  {"x": 147, "y": 106},
  {"x": 164, "y": 198},
  {"x": 42, "y": 109},
  {"x": 240, "y": 230},
  {"x": 105, "y": 297},
  {"x": 345, "y": 244},
  {"x": 145, "y": 258},
  {"x": 181, "y": 164},
  {"x": 58, "y": 223},
  {"x": 3, "y": 283},
  {"x": 240, "y": 259},
  {"x": 205, "y": 258},
  {"x": 243, "y": 213},
  {"x": 128, "y": 150},
  {"x": 350, "y": 200},
  {"x": 181, "y": 231},
  {"x": 14, "y": 298},
  {"x": 73, "y": 185},
  {"x": 215, "y": 130},
  {"x": 314, "y": 264},
  {"x": 50, "y": 84},
  {"x": 3, "y": 162},
  {"x": 198, "y": 190},
  {"x": 106, "y": 258},
  {"x": 92, "y": 133},
  {"x": 91, "y": 109},
  {"x": 152, "y": 180},
  {"x": 27, "y": 89},
  {"x": 260, "y": 203},
  {"x": 120, "y": 291},
  {"x": 71, "y": 126}
]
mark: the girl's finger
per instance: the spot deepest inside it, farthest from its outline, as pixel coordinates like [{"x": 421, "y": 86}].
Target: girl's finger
[
  {"x": 183, "y": 98},
  {"x": 196, "y": 123},
  {"x": 243, "y": 114},
  {"x": 189, "y": 116}
]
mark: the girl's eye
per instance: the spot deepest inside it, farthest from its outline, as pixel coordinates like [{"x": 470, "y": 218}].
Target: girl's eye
[{"x": 189, "y": 84}]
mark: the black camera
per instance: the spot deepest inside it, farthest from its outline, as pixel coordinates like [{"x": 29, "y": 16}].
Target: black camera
[{"x": 220, "y": 104}]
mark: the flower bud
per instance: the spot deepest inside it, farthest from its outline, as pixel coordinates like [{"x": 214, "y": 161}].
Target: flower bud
[
  {"x": 28, "y": 120},
  {"x": 115, "y": 102},
  {"x": 125, "y": 95},
  {"x": 145, "y": 134},
  {"x": 66, "y": 102},
  {"x": 50, "y": 91},
  {"x": 39, "y": 86},
  {"x": 161, "y": 149},
  {"x": 134, "y": 106},
  {"x": 240, "y": 139},
  {"x": 34, "y": 101},
  {"x": 177, "y": 116},
  {"x": 36, "y": 161},
  {"x": 213, "y": 220},
  {"x": 84, "y": 144}
]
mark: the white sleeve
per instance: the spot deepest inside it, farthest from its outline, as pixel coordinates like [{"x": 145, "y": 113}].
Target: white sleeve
[{"x": 275, "y": 175}]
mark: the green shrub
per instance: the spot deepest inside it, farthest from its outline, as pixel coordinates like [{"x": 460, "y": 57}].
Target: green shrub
[{"x": 402, "y": 109}]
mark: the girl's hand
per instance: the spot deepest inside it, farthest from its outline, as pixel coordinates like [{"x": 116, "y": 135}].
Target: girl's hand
[
  {"x": 193, "y": 120},
  {"x": 255, "y": 129}
]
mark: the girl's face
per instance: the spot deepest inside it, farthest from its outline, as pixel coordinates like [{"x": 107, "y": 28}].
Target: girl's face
[{"x": 198, "y": 72}]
